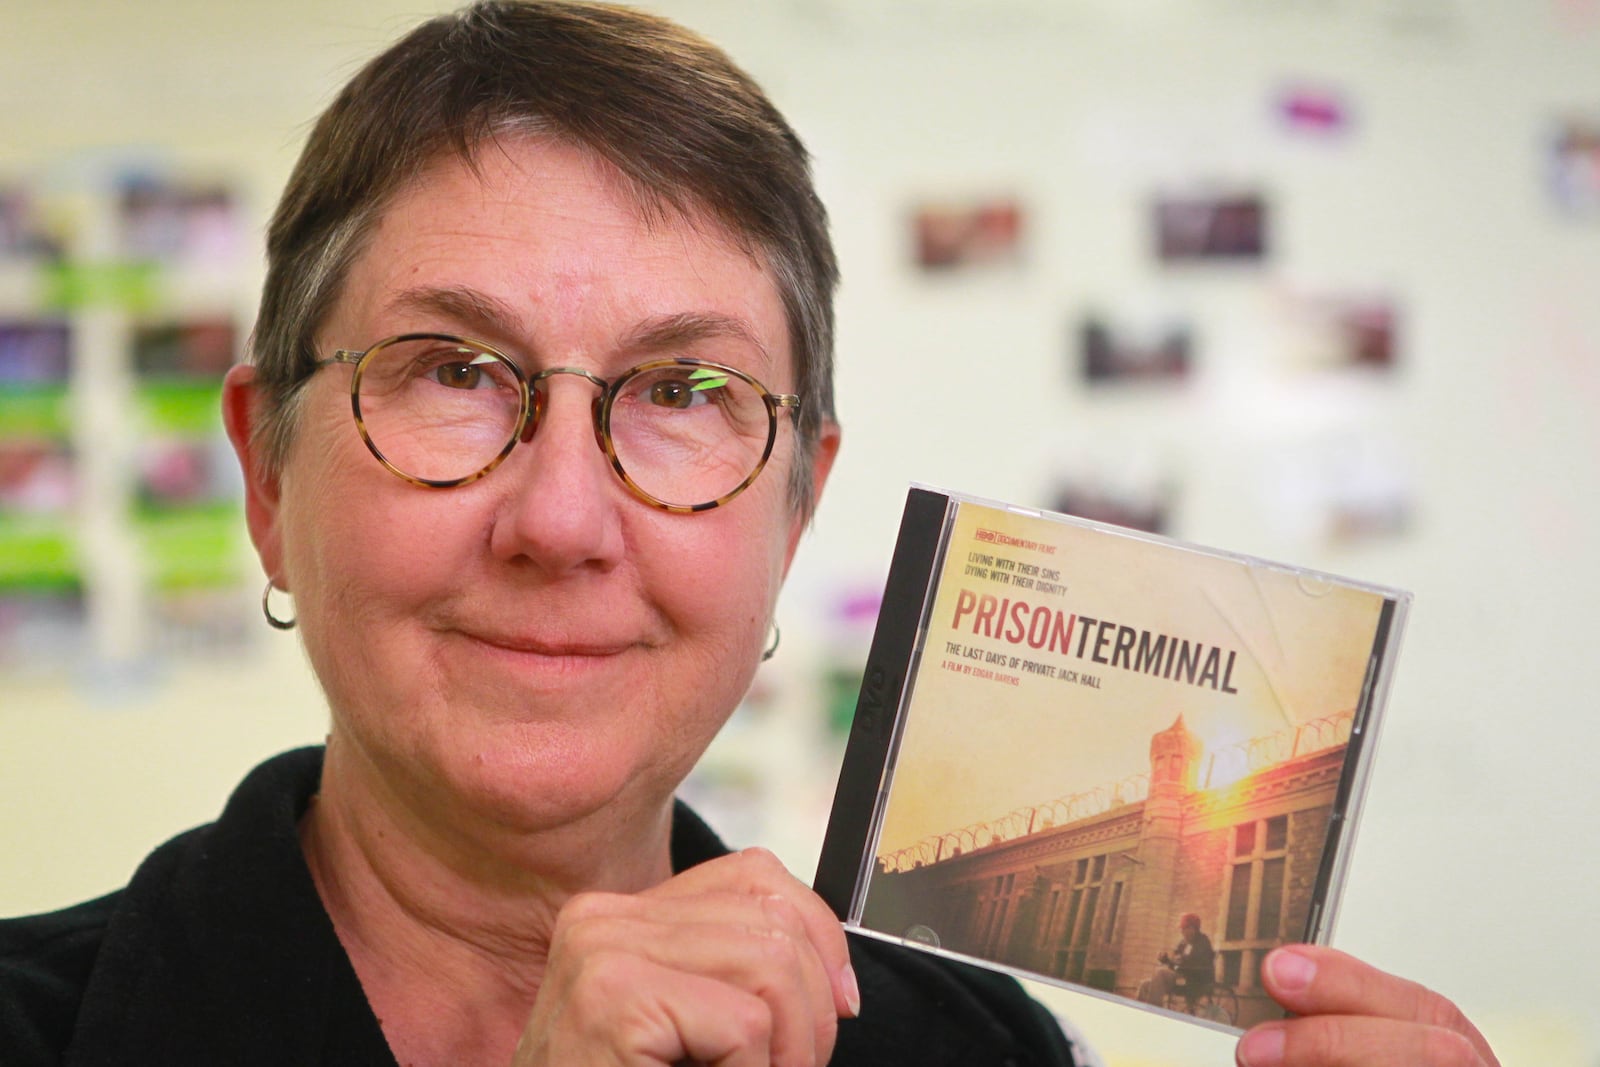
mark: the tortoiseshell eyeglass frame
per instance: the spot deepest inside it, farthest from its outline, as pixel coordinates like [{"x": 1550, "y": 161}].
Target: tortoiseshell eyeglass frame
[{"x": 533, "y": 401}]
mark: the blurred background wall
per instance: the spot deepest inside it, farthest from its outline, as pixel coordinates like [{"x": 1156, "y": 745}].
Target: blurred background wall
[{"x": 1366, "y": 339}]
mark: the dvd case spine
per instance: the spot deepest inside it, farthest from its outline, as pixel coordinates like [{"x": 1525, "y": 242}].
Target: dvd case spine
[
  {"x": 1353, "y": 784},
  {"x": 919, "y": 549}
]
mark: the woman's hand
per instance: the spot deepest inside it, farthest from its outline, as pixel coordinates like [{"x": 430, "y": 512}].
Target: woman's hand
[
  {"x": 731, "y": 963},
  {"x": 1354, "y": 1015}
]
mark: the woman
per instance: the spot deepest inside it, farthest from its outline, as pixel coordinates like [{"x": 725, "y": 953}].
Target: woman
[{"x": 539, "y": 406}]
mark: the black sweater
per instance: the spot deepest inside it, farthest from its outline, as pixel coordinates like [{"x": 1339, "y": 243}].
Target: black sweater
[{"x": 219, "y": 952}]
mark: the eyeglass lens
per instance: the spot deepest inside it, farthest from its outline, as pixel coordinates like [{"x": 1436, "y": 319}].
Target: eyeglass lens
[{"x": 442, "y": 410}]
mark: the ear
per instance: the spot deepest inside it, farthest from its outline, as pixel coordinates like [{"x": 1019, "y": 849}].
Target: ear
[
  {"x": 241, "y": 402},
  {"x": 821, "y": 463}
]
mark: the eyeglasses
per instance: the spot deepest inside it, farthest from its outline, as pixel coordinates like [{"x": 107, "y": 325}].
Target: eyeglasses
[{"x": 684, "y": 435}]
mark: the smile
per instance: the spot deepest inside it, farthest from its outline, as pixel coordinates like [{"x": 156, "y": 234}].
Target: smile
[{"x": 546, "y": 649}]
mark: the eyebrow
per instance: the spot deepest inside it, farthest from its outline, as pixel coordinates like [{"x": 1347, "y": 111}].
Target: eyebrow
[
  {"x": 688, "y": 327},
  {"x": 471, "y": 308},
  {"x": 476, "y": 310}
]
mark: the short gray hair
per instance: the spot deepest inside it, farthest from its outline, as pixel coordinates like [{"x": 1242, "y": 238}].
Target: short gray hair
[{"x": 688, "y": 130}]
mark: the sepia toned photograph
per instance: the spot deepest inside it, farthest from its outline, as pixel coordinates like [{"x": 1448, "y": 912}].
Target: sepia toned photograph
[
  {"x": 1145, "y": 507},
  {"x": 1112, "y": 351},
  {"x": 1339, "y": 330},
  {"x": 953, "y": 236},
  {"x": 1199, "y": 229}
]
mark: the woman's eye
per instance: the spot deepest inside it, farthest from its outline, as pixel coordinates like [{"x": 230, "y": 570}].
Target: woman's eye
[
  {"x": 672, "y": 393},
  {"x": 457, "y": 375}
]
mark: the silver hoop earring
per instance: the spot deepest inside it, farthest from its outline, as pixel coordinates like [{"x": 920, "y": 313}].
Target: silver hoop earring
[
  {"x": 772, "y": 643},
  {"x": 266, "y": 609}
]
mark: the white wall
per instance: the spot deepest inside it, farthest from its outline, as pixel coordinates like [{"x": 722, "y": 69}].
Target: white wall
[{"x": 1475, "y": 855}]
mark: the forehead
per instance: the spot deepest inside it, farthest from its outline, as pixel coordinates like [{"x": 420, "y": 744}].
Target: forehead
[{"x": 560, "y": 235}]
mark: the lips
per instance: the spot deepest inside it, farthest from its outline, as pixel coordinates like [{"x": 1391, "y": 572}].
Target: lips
[
  {"x": 535, "y": 660},
  {"x": 555, "y": 649},
  {"x": 542, "y": 636}
]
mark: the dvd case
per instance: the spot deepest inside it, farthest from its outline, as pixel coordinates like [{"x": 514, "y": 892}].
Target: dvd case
[{"x": 1106, "y": 759}]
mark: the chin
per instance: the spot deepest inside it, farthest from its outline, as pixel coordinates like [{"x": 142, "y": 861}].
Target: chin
[{"x": 538, "y": 778}]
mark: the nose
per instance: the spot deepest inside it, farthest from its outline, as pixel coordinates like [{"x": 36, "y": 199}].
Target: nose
[
  {"x": 561, "y": 503},
  {"x": 539, "y": 390}
]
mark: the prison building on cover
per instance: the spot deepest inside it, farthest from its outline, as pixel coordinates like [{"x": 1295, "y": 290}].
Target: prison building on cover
[{"x": 1094, "y": 898}]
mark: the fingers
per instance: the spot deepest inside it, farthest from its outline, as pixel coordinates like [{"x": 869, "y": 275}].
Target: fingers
[
  {"x": 745, "y": 944},
  {"x": 733, "y": 961},
  {"x": 1357, "y": 1041},
  {"x": 684, "y": 1017},
  {"x": 757, "y": 872},
  {"x": 1310, "y": 980},
  {"x": 1353, "y": 1013}
]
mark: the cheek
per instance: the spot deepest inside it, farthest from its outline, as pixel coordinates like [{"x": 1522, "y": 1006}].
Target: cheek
[
  {"x": 354, "y": 535},
  {"x": 366, "y": 568},
  {"x": 729, "y": 584}
]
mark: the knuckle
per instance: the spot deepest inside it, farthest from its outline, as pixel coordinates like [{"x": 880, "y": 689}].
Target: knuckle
[
  {"x": 784, "y": 916},
  {"x": 1448, "y": 1048},
  {"x": 1442, "y": 1012},
  {"x": 751, "y": 1019},
  {"x": 759, "y": 864},
  {"x": 582, "y": 924},
  {"x": 585, "y": 907},
  {"x": 759, "y": 855},
  {"x": 777, "y": 950},
  {"x": 826, "y": 1031},
  {"x": 603, "y": 981},
  {"x": 1315, "y": 1040}
]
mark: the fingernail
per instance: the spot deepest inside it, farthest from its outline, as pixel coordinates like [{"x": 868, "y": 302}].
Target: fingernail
[
  {"x": 1290, "y": 971},
  {"x": 852, "y": 991},
  {"x": 1261, "y": 1047}
]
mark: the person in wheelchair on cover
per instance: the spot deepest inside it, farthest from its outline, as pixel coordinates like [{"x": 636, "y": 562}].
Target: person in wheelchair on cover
[{"x": 1188, "y": 970}]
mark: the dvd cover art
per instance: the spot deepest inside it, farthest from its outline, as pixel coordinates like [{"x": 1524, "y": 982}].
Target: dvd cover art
[{"x": 1106, "y": 759}]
